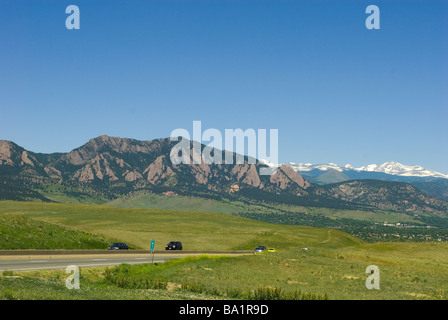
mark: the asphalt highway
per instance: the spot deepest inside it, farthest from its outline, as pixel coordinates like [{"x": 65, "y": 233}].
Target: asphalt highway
[
  {"x": 39, "y": 263},
  {"x": 47, "y": 260}
]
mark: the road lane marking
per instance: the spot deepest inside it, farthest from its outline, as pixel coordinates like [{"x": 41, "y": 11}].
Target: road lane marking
[{"x": 62, "y": 265}]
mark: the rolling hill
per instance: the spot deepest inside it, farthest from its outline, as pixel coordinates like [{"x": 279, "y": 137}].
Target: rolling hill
[
  {"x": 197, "y": 230},
  {"x": 22, "y": 232}
]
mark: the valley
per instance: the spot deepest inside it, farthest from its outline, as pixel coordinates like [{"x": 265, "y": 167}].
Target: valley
[{"x": 333, "y": 266}]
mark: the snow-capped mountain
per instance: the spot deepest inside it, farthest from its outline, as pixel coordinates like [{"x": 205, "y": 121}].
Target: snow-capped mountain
[
  {"x": 322, "y": 167},
  {"x": 398, "y": 169},
  {"x": 392, "y": 168}
]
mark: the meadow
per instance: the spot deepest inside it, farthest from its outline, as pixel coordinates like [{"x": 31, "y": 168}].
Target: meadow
[
  {"x": 197, "y": 230},
  {"x": 333, "y": 267}
]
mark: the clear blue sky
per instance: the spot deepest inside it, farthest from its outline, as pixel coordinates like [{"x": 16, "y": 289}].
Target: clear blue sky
[{"x": 336, "y": 91}]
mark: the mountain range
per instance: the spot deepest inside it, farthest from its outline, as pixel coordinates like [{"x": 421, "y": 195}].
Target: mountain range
[
  {"x": 107, "y": 168},
  {"x": 429, "y": 181},
  {"x": 392, "y": 168}
]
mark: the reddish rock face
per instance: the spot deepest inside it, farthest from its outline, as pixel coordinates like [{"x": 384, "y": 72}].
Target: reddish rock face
[
  {"x": 157, "y": 170},
  {"x": 116, "y": 159},
  {"x": 15, "y": 156},
  {"x": 286, "y": 177}
]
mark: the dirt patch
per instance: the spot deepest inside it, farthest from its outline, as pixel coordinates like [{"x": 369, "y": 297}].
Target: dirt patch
[{"x": 171, "y": 286}]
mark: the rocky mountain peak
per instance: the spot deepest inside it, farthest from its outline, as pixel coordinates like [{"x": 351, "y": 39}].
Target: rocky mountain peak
[
  {"x": 5, "y": 150},
  {"x": 286, "y": 177},
  {"x": 13, "y": 155}
]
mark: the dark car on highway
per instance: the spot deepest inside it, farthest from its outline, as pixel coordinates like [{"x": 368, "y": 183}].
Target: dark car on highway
[
  {"x": 174, "y": 245},
  {"x": 119, "y": 246}
]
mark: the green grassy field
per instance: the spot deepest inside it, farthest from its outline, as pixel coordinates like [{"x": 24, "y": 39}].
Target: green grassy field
[
  {"x": 196, "y": 230},
  {"x": 333, "y": 267},
  {"x": 50, "y": 285},
  {"x": 156, "y": 201},
  {"x": 336, "y": 274},
  {"x": 21, "y": 232}
]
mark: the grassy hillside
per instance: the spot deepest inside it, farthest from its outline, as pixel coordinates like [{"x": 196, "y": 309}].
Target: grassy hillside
[
  {"x": 22, "y": 232},
  {"x": 178, "y": 202},
  {"x": 365, "y": 224},
  {"x": 190, "y": 203},
  {"x": 196, "y": 230}
]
